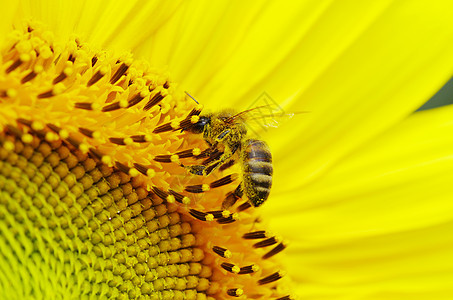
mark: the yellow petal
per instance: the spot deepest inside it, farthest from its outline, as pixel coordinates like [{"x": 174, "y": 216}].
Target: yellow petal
[
  {"x": 358, "y": 67},
  {"x": 377, "y": 225}
]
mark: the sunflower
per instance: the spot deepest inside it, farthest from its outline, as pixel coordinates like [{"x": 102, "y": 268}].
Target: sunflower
[{"x": 94, "y": 201}]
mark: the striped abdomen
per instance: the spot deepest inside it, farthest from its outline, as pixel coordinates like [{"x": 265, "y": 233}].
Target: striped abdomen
[{"x": 257, "y": 168}]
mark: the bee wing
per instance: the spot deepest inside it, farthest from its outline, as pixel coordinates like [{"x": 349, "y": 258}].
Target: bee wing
[{"x": 261, "y": 118}]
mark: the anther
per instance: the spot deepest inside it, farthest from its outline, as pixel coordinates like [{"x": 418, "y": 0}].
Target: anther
[
  {"x": 141, "y": 138},
  {"x": 120, "y": 72},
  {"x": 198, "y": 188},
  {"x": 230, "y": 268},
  {"x": 110, "y": 107},
  {"x": 195, "y": 112},
  {"x": 235, "y": 292},
  {"x": 249, "y": 269},
  {"x": 96, "y": 77},
  {"x": 271, "y": 278},
  {"x": 219, "y": 213},
  {"x": 243, "y": 206},
  {"x": 163, "y": 128},
  {"x": 287, "y": 297},
  {"x": 47, "y": 94},
  {"x": 29, "y": 76},
  {"x": 94, "y": 60},
  {"x": 267, "y": 242},
  {"x": 117, "y": 141},
  {"x": 122, "y": 167},
  {"x": 160, "y": 193},
  {"x": 14, "y": 65},
  {"x": 201, "y": 215},
  {"x": 260, "y": 234},
  {"x": 59, "y": 78},
  {"x": 153, "y": 101},
  {"x": 230, "y": 219},
  {"x": 223, "y": 181},
  {"x": 178, "y": 197},
  {"x": 223, "y": 252},
  {"x": 141, "y": 168},
  {"x": 87, "y": 132},
  {"x": 185, "y": 153},
  {"x": 277, "y": 249},
  {"x": 163, "y": 158},
  {"x": 135, "y": 100},
  {"x": 85, "y": 105}
]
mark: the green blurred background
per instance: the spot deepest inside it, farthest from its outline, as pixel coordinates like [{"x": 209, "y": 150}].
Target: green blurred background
[{"x": 442, "y": 97}]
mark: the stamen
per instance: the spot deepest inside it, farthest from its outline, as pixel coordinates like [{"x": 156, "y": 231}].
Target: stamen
[
  {"x": 118, "y": 141},
  {"x": 267, "y": 242},
  {"x": 279, "y": 248},
  {"x": 85, "y": 105},
  {"x": 47, "y": 94},
  {"x": 249, "y": 269},
  {"x": 141, "y": 138},
  {"x": 180, "y": 198},
  {"x": 260, "y": 234},
  {"x": 230, "y": 219},
  {"x": 223, "y": 181},
  {"x": 144, "y": 170},
  {"x": 223, "y": 252},
  {"x": 235, "y": 292},
  {"x": 111, "y": 107},
  {"x": 97, "y": 76},
  {"x": 271, "y": 278},
  {"x": 29, "y": 76},
  {"x": 153, "y": 101},
  {"x": 230, "y": 268},
  {"x": 14, "y": 65},
  {"x": 288, "y": 297},
  {"x": 136, "y": 99},
  {"x": 244, "y": 206},
  {"x": 120, "y": 72},
  {"x": 201, "y": 215}
]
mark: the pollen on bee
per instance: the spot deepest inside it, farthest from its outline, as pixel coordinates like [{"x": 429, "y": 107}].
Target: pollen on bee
[{"x": 196, "y": 151}]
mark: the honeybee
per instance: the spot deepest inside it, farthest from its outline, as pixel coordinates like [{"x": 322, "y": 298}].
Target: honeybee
[{"x": 226, "y": 130}]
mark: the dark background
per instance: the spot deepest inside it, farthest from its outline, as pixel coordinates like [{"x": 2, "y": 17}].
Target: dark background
[{"x": 443, "y": 97}]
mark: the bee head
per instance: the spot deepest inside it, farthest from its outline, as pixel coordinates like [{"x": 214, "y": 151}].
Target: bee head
[{"x": 200, "y": 125}]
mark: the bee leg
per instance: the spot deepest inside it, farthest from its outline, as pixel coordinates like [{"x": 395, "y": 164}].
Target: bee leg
[
  {"x": 232, "y": 197},
  {"x": 222, "y": 135},
  {"x": 195, "y": 169}
]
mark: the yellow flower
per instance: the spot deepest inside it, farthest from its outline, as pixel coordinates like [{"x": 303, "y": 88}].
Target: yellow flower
[{"x": 360, "y": 189}]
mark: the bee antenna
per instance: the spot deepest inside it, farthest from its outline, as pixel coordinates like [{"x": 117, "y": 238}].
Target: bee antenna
[{"x": 191, "y": 97}]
